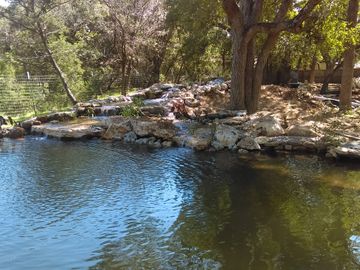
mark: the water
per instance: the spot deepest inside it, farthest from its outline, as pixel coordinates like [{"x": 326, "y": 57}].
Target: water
[{"x": 99, "y": 205}]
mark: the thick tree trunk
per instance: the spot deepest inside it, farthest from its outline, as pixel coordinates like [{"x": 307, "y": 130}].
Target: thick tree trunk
[
  {"x": 239, "y": 50},
  {"x": 250, "y": 69},
  {"x": 56, "y": 66},
  {"x": 349, "y": 60}
]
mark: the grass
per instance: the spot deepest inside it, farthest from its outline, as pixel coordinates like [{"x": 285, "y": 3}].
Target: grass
[{"x": 28, "y": 115}]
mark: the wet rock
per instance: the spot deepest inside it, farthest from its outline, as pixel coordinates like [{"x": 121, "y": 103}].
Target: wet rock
[
  {"x": 29, "y": 123},
  {"x": 348, "y": 150},
  {"x": 304, "y": 130},
  {"x": 243, "y": 152},
  {"x": 156, "y": 144},
  {"x": 198, "y": 137},
  {"x": 15, "y": 133},
  {"x": 117, "y": 130},
  {"x": 158, "y": 128},
  {"x": 167, "y": 144},
  {"x": 130, "y": 137},
  {"x": 295, "y": 143},
  {"x": 142, "y": 141},
  {"x": 225, "y": 137},
  {"x": 248, "y": 143}
]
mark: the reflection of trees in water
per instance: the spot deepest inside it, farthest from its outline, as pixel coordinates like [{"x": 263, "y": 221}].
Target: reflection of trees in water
[
  {"x": 245, "y": 215},
  {"x": 270, "y": 219}
]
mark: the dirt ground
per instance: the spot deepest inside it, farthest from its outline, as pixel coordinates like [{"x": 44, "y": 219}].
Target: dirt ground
[{"x": 300, "y": 106}]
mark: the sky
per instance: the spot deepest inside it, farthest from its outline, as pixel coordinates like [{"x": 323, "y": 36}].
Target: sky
[{"x": 3, "y": 3}]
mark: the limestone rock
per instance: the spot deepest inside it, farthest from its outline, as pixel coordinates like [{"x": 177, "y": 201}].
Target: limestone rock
[
  {"x": 29, "y": 123},
  {"x": 301, "y": 130},
  {"x": 117, "y": 131},
  {"x": 243, "y": 152},
  {"x": 248, "y": 143},
  {"x": 292, "y": 142},
  {"x": 160, "y": 128},
  {"x": 349, "y": 150},
  {"x": 61, "y": 117},
  {"x": 225, "y": 137},
  {"x": 198, "y": 138},
  {"x": 269, "y": 126},
  {"x": 264, "y": 126},
  {"x": 86, "y": 128},
  {"x": 154, "y": 110},
  {"x": 167, "y": 144},
  {"x": 130, "y": 137}
]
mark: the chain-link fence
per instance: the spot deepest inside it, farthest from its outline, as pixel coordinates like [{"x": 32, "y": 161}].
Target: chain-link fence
[{"x": 24, "y": 94}]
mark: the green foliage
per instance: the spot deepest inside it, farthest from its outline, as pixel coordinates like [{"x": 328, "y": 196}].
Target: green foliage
[
  {"x": 67, "y": 56},
  {"x": 133, "y": 109}
]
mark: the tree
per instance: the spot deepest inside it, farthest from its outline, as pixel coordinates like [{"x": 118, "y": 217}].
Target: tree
[
  {"x": 36, "y": 17},
  {"x": 245, "y": 21},
  {"x": 138, "y": 29},
  {"x": 199, "y": 46},
  {"x": 349, "y": 58}
]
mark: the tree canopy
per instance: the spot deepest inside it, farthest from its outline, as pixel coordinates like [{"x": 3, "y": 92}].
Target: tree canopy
[{"x": 99, "y": 46}]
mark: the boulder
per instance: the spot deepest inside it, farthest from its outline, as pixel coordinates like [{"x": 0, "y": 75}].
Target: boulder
[
  {"x": 243, "y": 152},
  {"x": 304, "y": 130},
  {"x": 154, "y": 110},
  {"x": 264, "y": 126},
  {"x": 225, "y": 137},
  {"x": 27, "y": 124},
  {"x": 269, "y": 126},
  {"x": 292, "y": 143},
  {"x": 167, "y": 144},
  {"x": 130, "y": 137},
  {"x": 248, "y": 143},
  {"x": 348, "y": 150},
  {"x": 158, "y": 128},
  {"x": 118, "y": 126},
  {"x": 15, "y": 133},
  {"x": 85, "y": 128},
  {"x": 61, "y": 117},
  {"x": 198, "y": 138}
]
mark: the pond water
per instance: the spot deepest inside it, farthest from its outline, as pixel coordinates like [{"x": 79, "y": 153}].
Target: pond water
[{"x": 98, "y": 205}]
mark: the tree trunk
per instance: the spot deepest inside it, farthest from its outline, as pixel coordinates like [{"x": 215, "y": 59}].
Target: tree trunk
[
  {"x": 56, "y": 66},
  {"x": 349, "y": 60},
  {"x": 239, "y": 51},
  {"x": 126, "y": 78},
  {"x": 253, "y": 104},
  {"x": 250, "y": 62},
  {"x": 313, "y": 69}
]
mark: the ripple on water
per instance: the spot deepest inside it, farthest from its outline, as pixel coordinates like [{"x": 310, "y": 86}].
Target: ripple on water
[{"x": 69, "y": 205}]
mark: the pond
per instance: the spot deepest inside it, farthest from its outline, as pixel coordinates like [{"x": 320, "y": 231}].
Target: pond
[{"x": 102, "y": 205}]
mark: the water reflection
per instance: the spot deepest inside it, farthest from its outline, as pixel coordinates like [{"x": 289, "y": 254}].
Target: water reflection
[{"x": 111, "y": 206}]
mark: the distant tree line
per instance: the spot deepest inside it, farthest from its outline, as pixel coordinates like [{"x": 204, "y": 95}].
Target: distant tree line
[{"x": 97, "y": 46}]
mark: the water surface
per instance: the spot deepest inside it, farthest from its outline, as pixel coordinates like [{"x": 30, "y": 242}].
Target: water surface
[{"x": 98, "y": 205}]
